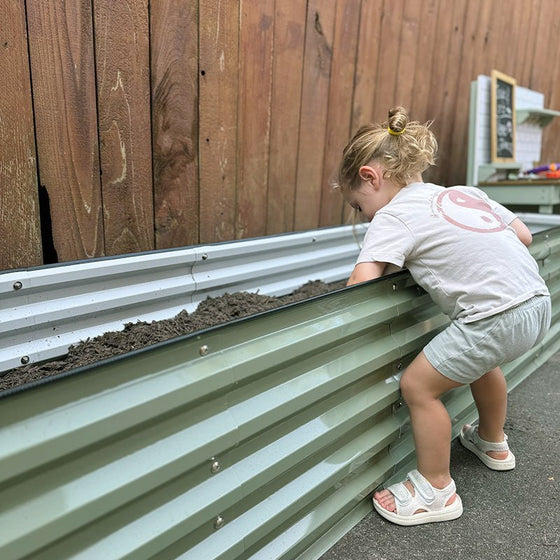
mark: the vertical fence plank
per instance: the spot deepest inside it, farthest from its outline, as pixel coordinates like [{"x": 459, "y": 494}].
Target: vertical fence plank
[
  {"x": 255, "y": 91},
  {"x": 386, "y": 80},
  {"x": 369, "y": 52},
  {"x": 174, "y": 62},
  {"x": 438, "y": 87},
  {"x": 542, "y": 60},
  {"x": 458, "y": 137},
  {"x": 408, "y": 54},
  {"x": 453, "y": 80},
  {"x": 365, "y": 78},
  {"x": 289, "y": 38},
  {"x": 522, "y": 40},
  {"x": 244, "y": 139},
  {"x": 20, "y": 241},
  {"x": 530, "y": 28},
  {"x": 427, "y": 41},
  {"x": 339, "y": 117},
  {"x": 123, "y": 86},
  {"x": 219, "y": 61},
  {"x": 314, "y": 107},
  {"x": 63, "y": 73}
]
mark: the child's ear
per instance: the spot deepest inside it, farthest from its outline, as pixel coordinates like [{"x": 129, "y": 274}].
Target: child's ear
[
  {"x": 370, "y": 174},
  {"x": 367, "y": 173}
]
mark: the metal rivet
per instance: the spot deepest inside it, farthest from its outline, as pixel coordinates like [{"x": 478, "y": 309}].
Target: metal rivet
[
  {"x": 399, "y": 404},
  {"x": 215, "y": 467},
  {"x": 394, "y": 287},
  {"x": 203, "y": 350},
  {"x": 24, "y": 360},
  {"x": 204, "y": 256},
  {"x": 18, "y": 285},
  {"x": 219, "y": 522}
]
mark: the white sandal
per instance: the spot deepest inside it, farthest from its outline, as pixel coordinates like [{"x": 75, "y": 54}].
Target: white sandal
[
  {"x": 470, "y": 439},
  {"x": 426, "y": 497}
]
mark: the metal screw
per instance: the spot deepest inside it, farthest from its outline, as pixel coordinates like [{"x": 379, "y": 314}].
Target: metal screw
[
  {"x": 18, "y": 285},
  {"x": 219, "y": 522},
  {"x": 394, "y": 287},
  {"x": 203, "y": 350},
  {"x": 204, "y": 256},
  {"x": 313, "y": 240},
  {"x": 399, "y": 366},
  {"x": 215, "y": 467},
  {"x": 399, "y": 404},
  {"x": 24, "y": 360}
]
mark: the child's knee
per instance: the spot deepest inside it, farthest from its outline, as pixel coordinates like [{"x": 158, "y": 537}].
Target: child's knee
[{"x": 409, "y": 387}]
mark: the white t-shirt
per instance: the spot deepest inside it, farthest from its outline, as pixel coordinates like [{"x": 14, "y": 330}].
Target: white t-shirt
[{"x": 458, "y": 246}]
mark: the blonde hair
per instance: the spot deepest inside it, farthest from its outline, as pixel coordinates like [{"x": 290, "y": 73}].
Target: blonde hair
[{"x": 404, "y": 149}]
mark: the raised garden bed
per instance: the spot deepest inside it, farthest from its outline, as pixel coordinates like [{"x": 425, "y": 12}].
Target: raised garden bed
[{"x": 259, "y": 438}]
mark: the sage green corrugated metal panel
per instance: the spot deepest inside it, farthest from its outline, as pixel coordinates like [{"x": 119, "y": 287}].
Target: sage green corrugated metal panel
[{"x": 299, "y": 406}]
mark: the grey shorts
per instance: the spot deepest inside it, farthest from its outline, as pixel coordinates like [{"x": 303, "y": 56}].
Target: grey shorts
[{"x": 464, "y": 352}]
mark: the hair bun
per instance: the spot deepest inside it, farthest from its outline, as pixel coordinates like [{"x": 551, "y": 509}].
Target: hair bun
[{"x": 398, "y": 119}]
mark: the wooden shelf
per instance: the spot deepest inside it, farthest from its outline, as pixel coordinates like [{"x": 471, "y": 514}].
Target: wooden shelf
[
  {"x": 486, "y": 170},
  {"x": 542, "y": 117}
]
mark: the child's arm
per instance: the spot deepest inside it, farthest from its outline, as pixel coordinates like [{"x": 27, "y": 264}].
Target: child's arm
[
  {"x": 522, "y": 232},
  {"x": 366, "y": 271}
]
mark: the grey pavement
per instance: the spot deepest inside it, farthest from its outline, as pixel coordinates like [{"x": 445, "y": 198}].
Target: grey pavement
[{"x": 511, "y": 515}]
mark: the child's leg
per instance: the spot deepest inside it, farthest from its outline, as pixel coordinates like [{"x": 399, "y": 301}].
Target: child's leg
[
  {"x": 421, "y": 387},
  {"x": 490, "y": 395}
]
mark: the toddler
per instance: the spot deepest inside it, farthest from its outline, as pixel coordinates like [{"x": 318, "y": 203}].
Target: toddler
[{"x": 470, "y": 254}]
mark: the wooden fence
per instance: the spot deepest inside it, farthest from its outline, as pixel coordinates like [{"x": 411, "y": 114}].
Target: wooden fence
[{"x": 132, "y": 125}]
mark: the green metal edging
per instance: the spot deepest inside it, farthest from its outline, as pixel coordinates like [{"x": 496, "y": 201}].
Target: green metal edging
[{"x": 259, "y": 439}]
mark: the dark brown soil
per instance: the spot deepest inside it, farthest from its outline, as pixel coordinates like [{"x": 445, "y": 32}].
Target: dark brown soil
[{"x": 210, "y": 312}]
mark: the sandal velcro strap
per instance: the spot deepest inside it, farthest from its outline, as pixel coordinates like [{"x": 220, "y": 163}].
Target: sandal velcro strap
[
  {"x": 426, "y": 497},
  {"x": 484, "y": 445},
  {"x": 428, "y": 504},
  {"x": 422, "y": 487},
  {"x": 401, "y": 493}
]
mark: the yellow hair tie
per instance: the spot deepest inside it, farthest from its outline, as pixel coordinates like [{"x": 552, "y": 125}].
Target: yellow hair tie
[{"x": 394, "y": 132}]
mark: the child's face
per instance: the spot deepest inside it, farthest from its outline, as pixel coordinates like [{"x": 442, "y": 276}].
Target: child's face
[
  {"x": 373, "y": 193},
  {"x": 364, "y": 200}
]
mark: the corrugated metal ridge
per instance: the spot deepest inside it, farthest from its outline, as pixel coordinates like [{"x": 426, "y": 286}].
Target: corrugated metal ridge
[
  {"x": 299, "y": 406},
  {"x": 44, "y": 310},
  {"x": 48, "y": 435}
]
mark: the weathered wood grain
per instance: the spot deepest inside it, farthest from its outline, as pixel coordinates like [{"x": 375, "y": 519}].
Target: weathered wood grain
[
  {"x": 365, "y": 78},
  {"x": 369, "y": 48},
  {"x": 339, "y": 116},
  {"x": 20, "y": 236},
  {"x": 226, "y": 119},
  {"x": 458, "y": 132},
  {"x": 408, "y": 61},
  {"x": 314, "y": 109},
  {"x": 123, "y": 100},
  {"x": 174, "y": 63},
  {"x": 253, "y": 120},
  {"x": 452, "y": 81},
  {"x": 218, "y": 86},
  {"x": 285, "y": 114},
  {"x": 64, "y": 97},
  {"x": 426, "y": 43},
  {"x": 387, "y": 65}
]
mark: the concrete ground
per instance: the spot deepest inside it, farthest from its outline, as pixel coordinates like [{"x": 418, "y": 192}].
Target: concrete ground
[{"x": 511, "y": 515}]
